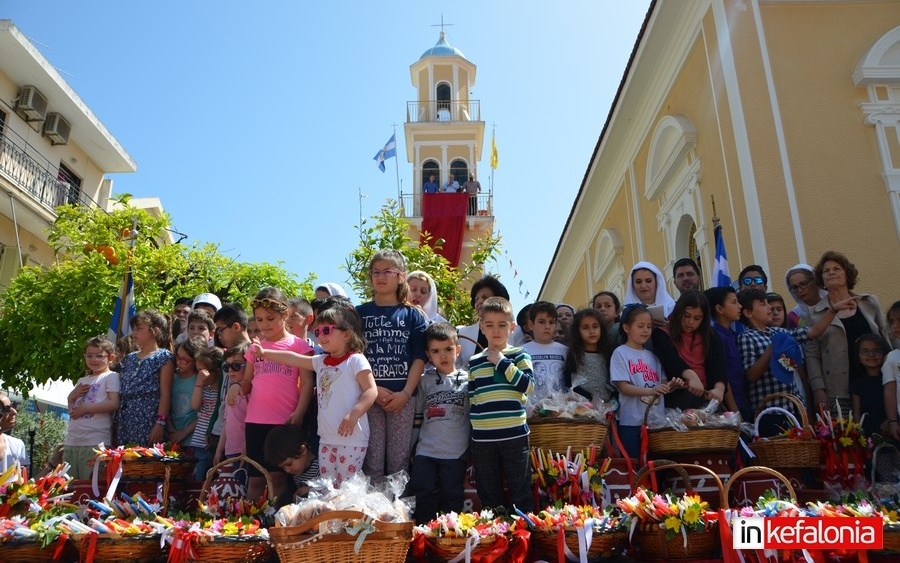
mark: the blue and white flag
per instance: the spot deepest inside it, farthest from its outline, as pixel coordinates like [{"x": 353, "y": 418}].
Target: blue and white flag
[
  {"x": 389, "y": 151},
  {"x": 720, "y": 275},
  {"x": 120, "y": 325}
]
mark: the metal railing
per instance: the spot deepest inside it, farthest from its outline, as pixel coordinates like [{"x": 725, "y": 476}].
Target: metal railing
[
  {"x": 412, "y": 205},
  {"x": 443, "y": 111},
  {"x": 38, "y": 179}
]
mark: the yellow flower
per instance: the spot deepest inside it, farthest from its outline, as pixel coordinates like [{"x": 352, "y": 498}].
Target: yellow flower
[
  {"x": 692, "y": 514},
  {"x": 846, "y": 442},
  {"x": 673, "y": 523},
  {"x": 230, "y": 529},
  {"x": 466, "y": 521}
]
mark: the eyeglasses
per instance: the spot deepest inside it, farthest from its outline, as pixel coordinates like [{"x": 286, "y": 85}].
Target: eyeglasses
[
  {"x": 758, "y": 280},
  {"x": 801, "y": 285},
  {"x": 382, "y": 273},
  {"x": 865, "y": 352},
  {"x": 236, "y": 366},
  {"x": 6, "y": 408},
  {"x": 96, "y": 356},
  {"x": 268, "y": 303},
  {"x": 220, "y": 329},
  {"x": 326, "y": 330}
]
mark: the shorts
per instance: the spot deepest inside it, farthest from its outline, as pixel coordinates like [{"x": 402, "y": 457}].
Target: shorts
[{"x": 255, "y": 434}]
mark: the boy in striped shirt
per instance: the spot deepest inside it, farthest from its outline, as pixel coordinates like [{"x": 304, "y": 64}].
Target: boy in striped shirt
[{"x": 500, "y": 380}]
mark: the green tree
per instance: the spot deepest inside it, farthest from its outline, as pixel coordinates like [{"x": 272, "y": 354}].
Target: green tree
[
  {"x": 49, "y": 312},
  {"x": 49, "y": 432},
  {"x": 390, "y": 230}
]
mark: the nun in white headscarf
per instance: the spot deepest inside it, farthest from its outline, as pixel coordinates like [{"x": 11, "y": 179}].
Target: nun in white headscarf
[
  {"x": 332, "y": 289},
  {"x": 423, "y": 293},
  {"x": 647, "y": 285}
]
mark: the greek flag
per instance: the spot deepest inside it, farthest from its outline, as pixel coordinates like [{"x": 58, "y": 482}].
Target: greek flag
[
  {"x": 720, "y": 275},
  {"x": 389, "y": 151},
  {"x": 120, "y": 325}
]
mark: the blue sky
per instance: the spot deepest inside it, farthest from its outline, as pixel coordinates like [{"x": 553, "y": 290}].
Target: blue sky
[{"x": 256, "y": 125}]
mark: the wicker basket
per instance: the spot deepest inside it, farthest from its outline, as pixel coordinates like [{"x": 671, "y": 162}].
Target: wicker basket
[
  {"x": 28, "y": 550},
  {"x": 232, "y": 548},
  {"x": 547, "y": 543},
  {"x": 668, "y": 441},
  {"x": 650, "y": 538},
  {"x": 891, "y": 537},
  {"x": 213, "y": 472},
  {"x": 142, "y": 548},
  {"x": 389, "y": 542},
  {"x": 448, "y": 549},
  {"x": 781, "y": 451},
  {"x": 154, "y": 468},
  {"x": 550, "y": 432},
  {"x": 735, "y": 477}
]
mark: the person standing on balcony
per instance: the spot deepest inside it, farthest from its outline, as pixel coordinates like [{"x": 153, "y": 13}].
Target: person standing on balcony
[
  {"x": 431, "y": 186},
  {"x": 451, "y": 186},
  {"x": 472, "y": 186}
]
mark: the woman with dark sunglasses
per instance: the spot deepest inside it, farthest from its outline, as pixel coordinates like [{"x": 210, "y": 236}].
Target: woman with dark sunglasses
[{"x": 12, "y": 449}]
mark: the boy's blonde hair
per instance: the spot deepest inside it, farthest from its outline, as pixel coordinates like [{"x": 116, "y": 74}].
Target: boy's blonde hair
[{"x": 497, "y": 305}]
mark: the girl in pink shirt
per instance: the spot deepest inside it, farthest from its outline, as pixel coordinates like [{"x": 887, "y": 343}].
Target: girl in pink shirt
[{"x": 278, "y": 393}]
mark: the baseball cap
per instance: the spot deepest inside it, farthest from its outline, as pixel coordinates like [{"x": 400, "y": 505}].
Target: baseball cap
[{"x": 207, "y": 299}]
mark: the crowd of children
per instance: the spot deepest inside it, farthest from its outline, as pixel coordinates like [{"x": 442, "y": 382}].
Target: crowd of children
[{"x": 326, "y": 389}]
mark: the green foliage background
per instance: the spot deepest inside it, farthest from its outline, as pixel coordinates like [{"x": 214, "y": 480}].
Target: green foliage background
[
  {"x": 49, "y": 312},
  {"x": 50, "y": 431}
]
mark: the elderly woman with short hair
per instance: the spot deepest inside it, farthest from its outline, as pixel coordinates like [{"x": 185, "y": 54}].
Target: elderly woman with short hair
[{"x": 830, "y": 364}]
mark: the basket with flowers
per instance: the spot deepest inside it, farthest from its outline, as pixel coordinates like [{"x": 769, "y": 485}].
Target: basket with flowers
[
  {"x": 845, "y": 448},
  {"x": 796, "y": 446},
  {"x": 668, "y": 526},
  {"x": 889, "y": 508},
  {"x": 466, "y": 535},
  {"x": 573, "y": 477},
  {"x": 566, "y": 532},
  {"x": 234, "y": 538}
]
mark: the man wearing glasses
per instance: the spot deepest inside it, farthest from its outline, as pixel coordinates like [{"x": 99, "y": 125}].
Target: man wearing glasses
[
  {"x": 12, "y": 450},
  {"x": 753, "y": 277}
]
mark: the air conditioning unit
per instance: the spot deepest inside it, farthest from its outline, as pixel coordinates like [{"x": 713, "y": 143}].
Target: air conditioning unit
[
  {"x": 32, "y": 104},
  {"x": 57, "y": 129}
]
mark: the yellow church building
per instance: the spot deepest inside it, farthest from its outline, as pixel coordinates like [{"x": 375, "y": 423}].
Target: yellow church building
[{"x": 784, "y": 113}]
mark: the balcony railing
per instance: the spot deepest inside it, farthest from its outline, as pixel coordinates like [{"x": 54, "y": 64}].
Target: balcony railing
[
  {"x": 40, "y": 180},
  {"x": 412, "y": 205},
  {"x": 443, "y": 111}
]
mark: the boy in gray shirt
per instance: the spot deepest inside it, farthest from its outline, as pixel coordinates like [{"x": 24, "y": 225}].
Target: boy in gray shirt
[{"x": 443, "y": 399}]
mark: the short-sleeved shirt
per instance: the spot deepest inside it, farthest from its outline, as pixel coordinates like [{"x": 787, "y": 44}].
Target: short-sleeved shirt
[
  {"x": 275, "y": 393},
  {"x": 396, "y": 338},
  {"x": 92, "y": 429}
]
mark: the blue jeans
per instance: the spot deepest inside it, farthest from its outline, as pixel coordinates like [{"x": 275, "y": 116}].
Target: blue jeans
[
  {"x": 492, "y": 461},
  {"x": 204, "y": 462},
  {"x": 445, "y": 477},
  {"x": 631, "y": 440}
]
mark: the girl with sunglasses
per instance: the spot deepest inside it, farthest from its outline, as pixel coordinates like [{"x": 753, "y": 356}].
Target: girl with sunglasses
[
  {"x": 395, "y": 331},
  {"x": 345, "y": 390},
  {"x": 234, "y": 409},
  {"x": 278, "y": 393}
]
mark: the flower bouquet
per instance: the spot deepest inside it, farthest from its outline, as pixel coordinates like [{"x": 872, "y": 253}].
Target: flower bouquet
[
  {"x": 889, "y": 508},
  {"x": 664, "y": 526},
  {"x": 567, "y": 531},
  {"x": 845, "y": 449},
  {"x": 571, "y": 478},
  {"x": 469, "y": 534},
  {"x": 20, "y": 495}
]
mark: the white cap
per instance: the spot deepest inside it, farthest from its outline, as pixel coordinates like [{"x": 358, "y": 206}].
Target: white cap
[{"x": 207, "y": 299}]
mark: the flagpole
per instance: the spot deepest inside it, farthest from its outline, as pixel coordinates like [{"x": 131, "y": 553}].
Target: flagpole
[
  {"x": 123, "y": 292},
  {"x": 397, "y": 166}
]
